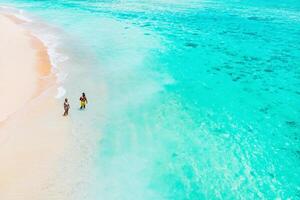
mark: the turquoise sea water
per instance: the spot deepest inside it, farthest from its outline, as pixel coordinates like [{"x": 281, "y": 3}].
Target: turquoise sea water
[{"x": 195, "y": 99}]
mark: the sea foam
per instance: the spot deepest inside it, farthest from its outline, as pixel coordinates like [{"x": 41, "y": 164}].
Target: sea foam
[
  {"x": 49, "y": 38},
  {"x": 60, "y": 92}
]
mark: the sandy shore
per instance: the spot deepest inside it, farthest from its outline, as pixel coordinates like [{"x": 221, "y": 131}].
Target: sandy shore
[{"x": 33, "y": 133}]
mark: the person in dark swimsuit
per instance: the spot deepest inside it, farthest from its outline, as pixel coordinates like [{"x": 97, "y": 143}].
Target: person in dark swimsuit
[
  {"x": 66, "y": 107},
  {"x": 83, "y": 101}
]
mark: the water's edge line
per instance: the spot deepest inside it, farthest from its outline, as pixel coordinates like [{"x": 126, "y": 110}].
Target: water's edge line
[
  {"x": 54, "y": 71},
  {"x": 49, "y": 46}
]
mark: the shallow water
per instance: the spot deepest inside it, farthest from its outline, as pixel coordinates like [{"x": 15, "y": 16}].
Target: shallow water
[{"x": 189, "y": 99}]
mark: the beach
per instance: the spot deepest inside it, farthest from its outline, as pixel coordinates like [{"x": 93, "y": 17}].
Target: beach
[
  {"x": 32, "y": 130},
  {"x": 187, "y": 99}
]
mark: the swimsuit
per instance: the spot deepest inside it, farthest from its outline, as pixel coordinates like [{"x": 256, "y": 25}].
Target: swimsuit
[
  {"x": 82, "y": 102},
  {"x": 66, "y": 106}
]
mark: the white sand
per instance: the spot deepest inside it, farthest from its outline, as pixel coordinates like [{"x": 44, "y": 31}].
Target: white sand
[
  {"x": 18, "y": 74},
  {"x": 34, "y": 135}
]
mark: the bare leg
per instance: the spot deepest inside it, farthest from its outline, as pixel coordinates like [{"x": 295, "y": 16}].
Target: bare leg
[{"x": 66, "y": 112}]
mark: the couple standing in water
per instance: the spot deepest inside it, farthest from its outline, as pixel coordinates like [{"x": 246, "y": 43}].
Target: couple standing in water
[{"x": 83, "y": 101}]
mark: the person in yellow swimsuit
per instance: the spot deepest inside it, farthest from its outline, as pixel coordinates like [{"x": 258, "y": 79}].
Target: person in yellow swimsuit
[{"x": 83, "y": 101}]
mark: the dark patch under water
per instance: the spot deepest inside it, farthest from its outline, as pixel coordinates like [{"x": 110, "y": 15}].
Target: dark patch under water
[
  {"x": 291, "y": 123},
  {"x": 192, "y": 45}
]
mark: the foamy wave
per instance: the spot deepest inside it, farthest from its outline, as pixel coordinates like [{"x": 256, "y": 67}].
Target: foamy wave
[
  {"x": 16, "y": 12},
  {"x": 52, "y": 42},
  {"x": 50, "y": 39},
  {"x": 60, "y": 92},
  {"x": 23, "y": 17}
]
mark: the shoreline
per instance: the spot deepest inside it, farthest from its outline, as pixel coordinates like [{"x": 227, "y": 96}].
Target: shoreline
[
  {"x": 36, "y": 60},
  {"x": 33, "y": 134}
]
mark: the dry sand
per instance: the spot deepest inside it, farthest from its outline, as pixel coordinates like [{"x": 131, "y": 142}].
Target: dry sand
[{"x": 33, "y": 133}]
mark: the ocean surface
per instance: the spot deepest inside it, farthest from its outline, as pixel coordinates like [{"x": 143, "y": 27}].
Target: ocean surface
[{"x": 189, "y": 99}]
